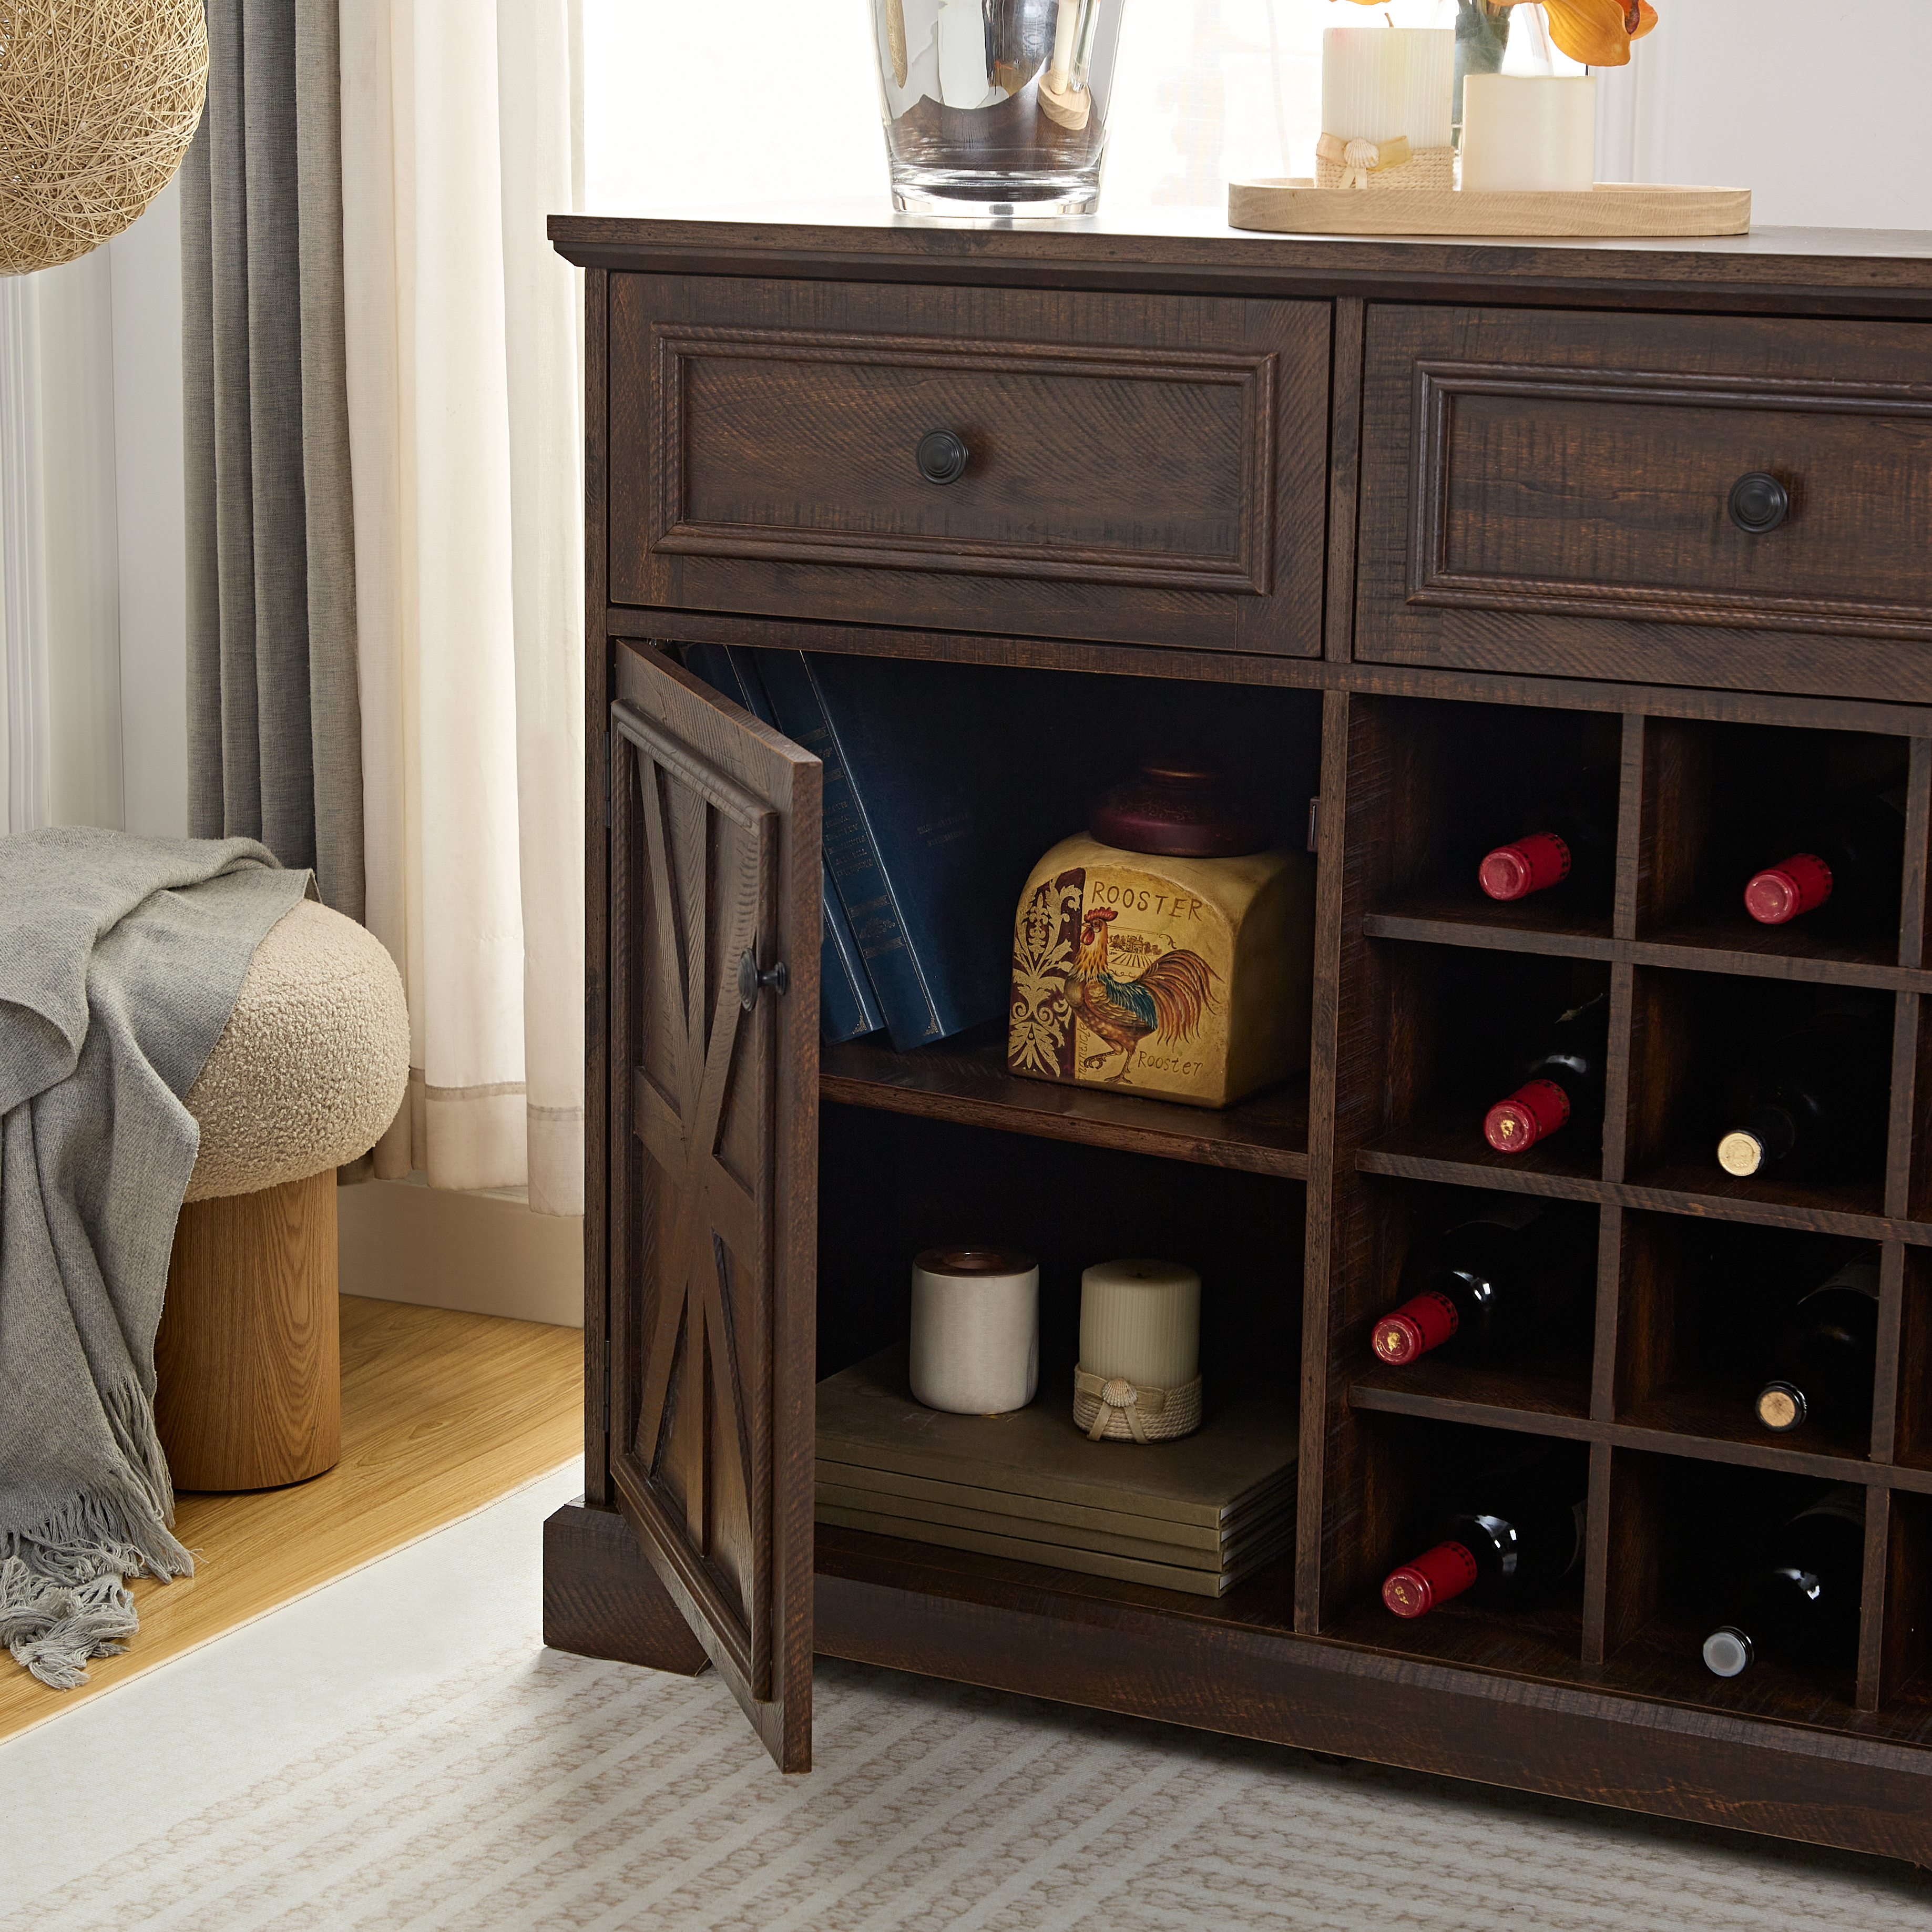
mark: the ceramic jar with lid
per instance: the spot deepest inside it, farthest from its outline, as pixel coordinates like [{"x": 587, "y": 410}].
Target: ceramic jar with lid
[{"x": 1166, "y": 950}]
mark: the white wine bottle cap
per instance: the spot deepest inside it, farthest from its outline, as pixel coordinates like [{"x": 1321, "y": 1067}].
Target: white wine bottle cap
[
  {"x": 1726, "y": 1651},
  {"x": 1740, "y": 1153}
]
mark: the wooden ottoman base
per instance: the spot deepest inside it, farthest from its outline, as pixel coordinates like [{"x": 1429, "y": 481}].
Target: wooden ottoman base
[{"x": 249, "y": 1356}]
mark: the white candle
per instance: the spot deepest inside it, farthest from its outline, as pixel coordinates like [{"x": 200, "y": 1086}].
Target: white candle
[
  {"x": 1380, "y": 82},
  {"x": 975, "y": 1329},
  {"x": 1529, "y": 131},
  {"x": 1141, "y": 1321}
]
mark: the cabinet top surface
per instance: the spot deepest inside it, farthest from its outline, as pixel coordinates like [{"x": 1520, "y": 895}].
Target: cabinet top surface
[{"x": 1194, "y": 246}]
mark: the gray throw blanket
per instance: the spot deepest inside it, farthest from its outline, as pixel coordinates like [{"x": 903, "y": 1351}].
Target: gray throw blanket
[{"x": 120, "y": 961}]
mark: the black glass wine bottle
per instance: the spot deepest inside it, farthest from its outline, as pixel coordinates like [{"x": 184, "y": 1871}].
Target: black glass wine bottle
[
  {"x": 1825, "y": 1354},
  {"x": 1844, "y": 870},
  {"x": 1509, "y": 1541},
  {"x": 1812, "y": 1102},
  {"x": 1562, "y": 1082},
  {"x": 1798, "y": 1603},
  {"x": 1571, "y": 854},
  {"x": 1483, "y": 1289}
]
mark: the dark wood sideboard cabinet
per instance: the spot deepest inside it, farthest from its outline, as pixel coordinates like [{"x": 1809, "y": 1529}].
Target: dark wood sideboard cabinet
[{"x": 1442, "y": 522}]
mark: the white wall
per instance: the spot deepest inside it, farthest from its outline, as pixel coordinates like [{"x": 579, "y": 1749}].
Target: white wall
[{"x": 1818, "y": 106}]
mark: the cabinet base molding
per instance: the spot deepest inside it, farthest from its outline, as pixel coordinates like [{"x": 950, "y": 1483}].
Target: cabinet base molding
[
  {"x": 919, "y": 1612},
  {"x": 601, "y": 1598}
]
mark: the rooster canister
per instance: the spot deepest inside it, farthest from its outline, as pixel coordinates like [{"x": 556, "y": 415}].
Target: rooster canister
[{"x": 1165, "y": 950}]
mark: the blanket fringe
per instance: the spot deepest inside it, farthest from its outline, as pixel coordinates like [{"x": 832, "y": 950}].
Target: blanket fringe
[
  {"x": 63, "y": 1598},
  {"x": 52, "y": 1629}
]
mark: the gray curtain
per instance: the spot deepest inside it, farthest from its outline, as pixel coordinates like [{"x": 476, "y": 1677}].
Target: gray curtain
[{"x": 274, "y": 723}]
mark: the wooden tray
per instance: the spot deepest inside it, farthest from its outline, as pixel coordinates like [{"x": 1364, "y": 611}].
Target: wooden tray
[{"x": 1295, "y": 206}]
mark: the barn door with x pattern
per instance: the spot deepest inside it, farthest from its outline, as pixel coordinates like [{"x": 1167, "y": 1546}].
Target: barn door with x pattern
[{"x": 714, "y": 924}]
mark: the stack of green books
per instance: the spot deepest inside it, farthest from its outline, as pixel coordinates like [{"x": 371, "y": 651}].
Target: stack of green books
[{"x": 1197, "y": 1515}]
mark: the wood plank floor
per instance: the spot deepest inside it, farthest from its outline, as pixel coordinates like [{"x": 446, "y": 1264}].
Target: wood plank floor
[{"x": 441, "y": 1413}]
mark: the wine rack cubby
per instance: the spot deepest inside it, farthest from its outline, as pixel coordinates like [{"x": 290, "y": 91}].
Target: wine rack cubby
[
  {"x": 1458, "y": 1022},
  {"x": 1412, "y": 1464},
  {"x": 1679, "y": 1530},
  {"x": 1549, "y": 1375},
  {"x": 1436, "y": 989},
  {"x": 1715, "y": 798},
  {"x": 1465, "y": 783},
  {"x": 1699, "y": 1302},
  {"x": 1690, "y": 1033}
]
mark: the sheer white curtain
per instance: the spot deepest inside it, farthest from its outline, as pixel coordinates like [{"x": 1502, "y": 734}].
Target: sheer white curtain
[{"x": 461, "y": 131}]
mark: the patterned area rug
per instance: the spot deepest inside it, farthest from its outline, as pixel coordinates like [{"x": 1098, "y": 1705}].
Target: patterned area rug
[{"x": 462, "y": 1776}]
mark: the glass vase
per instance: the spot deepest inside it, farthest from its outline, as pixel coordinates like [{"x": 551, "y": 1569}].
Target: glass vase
[{"x": 996, "y": 108}]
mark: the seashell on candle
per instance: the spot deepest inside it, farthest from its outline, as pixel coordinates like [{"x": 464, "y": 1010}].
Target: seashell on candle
[{"x": 975, "y": 1329}]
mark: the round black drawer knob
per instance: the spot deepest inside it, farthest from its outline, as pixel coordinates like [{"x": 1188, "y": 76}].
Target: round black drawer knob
[
  {"x": 1759, "y": 503},
  {"x": 941, "y": 456}
]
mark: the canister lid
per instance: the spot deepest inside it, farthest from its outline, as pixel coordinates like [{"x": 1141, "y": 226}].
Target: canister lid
[{"x": 1180, "y": 808}]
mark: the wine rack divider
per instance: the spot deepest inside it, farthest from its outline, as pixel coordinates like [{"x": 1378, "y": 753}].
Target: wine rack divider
[{"x": 1385, "y": 756}]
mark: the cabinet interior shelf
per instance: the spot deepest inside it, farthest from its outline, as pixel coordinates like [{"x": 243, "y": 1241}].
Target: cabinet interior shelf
[
  {"x": 966, "y": 1081},
  {"x": 1433, "y": 1151},
  {"x": 1661, "y": 1427},
  {"x": 1764, "y": 954}
]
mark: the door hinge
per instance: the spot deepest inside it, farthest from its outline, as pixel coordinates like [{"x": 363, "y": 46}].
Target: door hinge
[
  {"x": 606, "y": 1387},
  {"x": 609, "y": 781}
]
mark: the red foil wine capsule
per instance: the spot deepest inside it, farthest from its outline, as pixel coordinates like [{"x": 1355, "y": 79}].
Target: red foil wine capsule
[
  {"x": 1526, "y": 1117},
  {"x": 1424, "y": 1322},
  {"x": 1797, "y": 885},
  {"x": 1527, "y": 865},
  {"x": 1413, "y": 1589}
]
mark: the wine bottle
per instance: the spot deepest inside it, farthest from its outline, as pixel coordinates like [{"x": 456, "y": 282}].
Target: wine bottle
[
  {"x": 1826, "y": 1351},
  {"x": 1574, "y": 847},
  {"x": 1487, "y": 1285},
  {"x": 1846, "y": 866},
  {"x": 1516, "y": 1536},
  {"x": 1799, "y": 1604},
  {"x": 1813, "y": 1101},
  {"x": 1562, "y": 1081}
]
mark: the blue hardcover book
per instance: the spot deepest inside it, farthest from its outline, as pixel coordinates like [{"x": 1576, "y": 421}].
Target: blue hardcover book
[
  {"x": 848, "y": 1006},
  {"x": 927, "y": 855}
]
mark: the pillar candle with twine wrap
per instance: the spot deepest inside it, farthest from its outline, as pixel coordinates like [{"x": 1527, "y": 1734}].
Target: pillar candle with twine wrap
[{"x": 1140, "y": 1339}]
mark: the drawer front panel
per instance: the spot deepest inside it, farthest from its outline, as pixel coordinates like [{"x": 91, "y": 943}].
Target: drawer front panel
[
  {"x": 1145, "y": 469},
  {"x": 1552, "y": 493}
]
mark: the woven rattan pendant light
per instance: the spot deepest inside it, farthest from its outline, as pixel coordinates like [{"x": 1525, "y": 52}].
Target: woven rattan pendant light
[{"x": 98, "y": 101}]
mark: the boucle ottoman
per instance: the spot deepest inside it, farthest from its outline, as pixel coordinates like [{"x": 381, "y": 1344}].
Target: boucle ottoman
[{"x": 307, "y": 1074}]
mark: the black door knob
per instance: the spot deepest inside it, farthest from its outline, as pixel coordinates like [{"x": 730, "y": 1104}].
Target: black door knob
[
  {"x": 1759, "y": 503},
  {"x": 751, "y": 980},
  {"x": 941, "y": 456}
]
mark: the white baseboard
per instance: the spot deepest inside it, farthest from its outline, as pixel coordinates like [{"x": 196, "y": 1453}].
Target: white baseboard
[{"x": 483, "y": 1254}]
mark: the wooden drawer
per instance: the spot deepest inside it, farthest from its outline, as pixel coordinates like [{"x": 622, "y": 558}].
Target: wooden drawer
[
  {"x": 1143, "y": 469},
  {"x": 1549, "y": 492}
]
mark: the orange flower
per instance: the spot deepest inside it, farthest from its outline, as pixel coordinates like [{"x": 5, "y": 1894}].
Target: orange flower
[{"x": 1597, "y": 32}]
